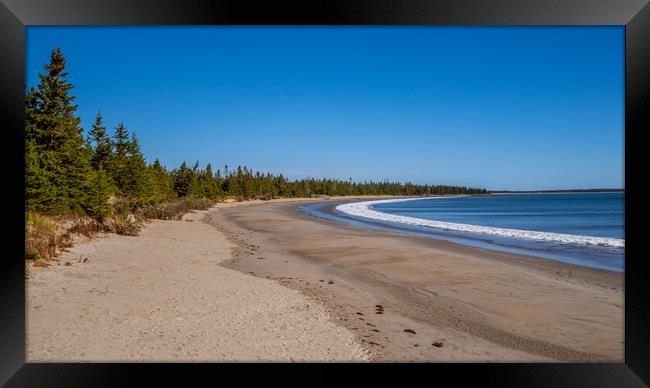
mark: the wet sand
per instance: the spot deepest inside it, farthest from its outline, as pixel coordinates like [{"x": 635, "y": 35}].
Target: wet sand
[{"x": 419, "y": 299}]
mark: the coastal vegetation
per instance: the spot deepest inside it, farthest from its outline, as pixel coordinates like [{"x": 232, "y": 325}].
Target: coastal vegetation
[{"x": 98, "y": 180}]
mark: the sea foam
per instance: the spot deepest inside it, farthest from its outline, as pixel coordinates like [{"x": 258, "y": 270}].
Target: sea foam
[{"x": 365, "y": 210}]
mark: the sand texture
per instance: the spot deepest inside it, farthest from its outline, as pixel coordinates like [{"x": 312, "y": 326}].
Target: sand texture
[{"x": 162, "y": 296}]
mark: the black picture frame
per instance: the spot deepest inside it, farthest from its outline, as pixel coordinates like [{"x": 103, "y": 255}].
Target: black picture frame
[{"x": 15, "y": 15}]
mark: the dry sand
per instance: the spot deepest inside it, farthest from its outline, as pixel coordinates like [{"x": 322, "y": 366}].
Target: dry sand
[
  {"x": 263, "y": 281},
  {"x": 162, "y": 296}
]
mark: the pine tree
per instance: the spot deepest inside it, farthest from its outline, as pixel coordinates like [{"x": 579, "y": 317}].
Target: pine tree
[
  {"x": 136, "y": 183},
  {"x": 226, "y": 181},
  {"x": 183, "y": 180},
  {"x": 96, "y": 199},
  {"x": 209, "y": 188},
  {"x": 162, "y": 181},
  {"x": 119, "y": 158},
  {"x": 32, "y": 132},
  {"x": 40, "y": 193},
  {"x": 121, "y": 142},
  {"x": 195, "y": 189},
  {"x": 53, "y": 130},
  {"x": 101, "y": 143}
]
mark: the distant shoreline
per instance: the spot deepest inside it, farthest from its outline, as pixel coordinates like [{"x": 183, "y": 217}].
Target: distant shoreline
[{"x": 557, "y": 191}]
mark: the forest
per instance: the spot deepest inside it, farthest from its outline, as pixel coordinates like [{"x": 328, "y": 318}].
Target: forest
[{"x": 102, "y": 173}]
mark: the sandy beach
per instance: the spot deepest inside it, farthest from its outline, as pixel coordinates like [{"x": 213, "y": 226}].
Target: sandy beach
[
  {"x": 263, "y": 281},
  {"x": 163, "y": 296},
  {"x": 473, "y": 304}
]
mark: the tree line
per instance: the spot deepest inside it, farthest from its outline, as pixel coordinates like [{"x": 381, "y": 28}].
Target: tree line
[{"x": 68, "y": 170}]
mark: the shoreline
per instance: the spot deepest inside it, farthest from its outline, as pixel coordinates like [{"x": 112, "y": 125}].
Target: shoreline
[
  {"x": 599, "y": 252},
  {"x": 299, "y": 251},
  {"x": 365, "y": 209},
  {"x": 530, "y": 259}
]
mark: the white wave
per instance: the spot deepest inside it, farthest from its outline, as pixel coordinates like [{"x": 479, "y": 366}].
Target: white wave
[{"x": 364, "y": 209}]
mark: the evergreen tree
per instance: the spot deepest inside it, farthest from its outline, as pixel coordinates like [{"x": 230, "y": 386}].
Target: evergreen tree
[
  {"x": 53, "y": 130},
  {"x": 101, "y": 142},
  {"x": 208, "y": 183},
  {"x": 32, "y": 132},
  {"x": 183, "y": 180},
  {"x": 195, "y": 189},
  {"x": 119, "y": 158},
  {"x": 99, "y": 190},
  {"x": 121, "y": 142},
  {"x": 136, "y": 183},
  {"x": 247, "y": 184},
  {"x": 162, "y": 182},
  {"x": 40, "y": 193},
  {"x": 218, "y": 179}
]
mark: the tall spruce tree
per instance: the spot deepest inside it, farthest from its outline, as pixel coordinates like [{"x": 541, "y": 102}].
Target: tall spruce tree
[
  {"x": 136, "y": 183},
  {"x": 100, "y": 142},
  {"x": 183, "y": 178},
  {"x": 53, "y": 130},
  {"x": 99, "y": 190},
  {"x": 39, "y": 191},
  {"x": 119, "y": 158},
  {"x": 208, "y": 183}
]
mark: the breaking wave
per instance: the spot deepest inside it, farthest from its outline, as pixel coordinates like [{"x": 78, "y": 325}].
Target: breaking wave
[{"x": 365, "y": 210}]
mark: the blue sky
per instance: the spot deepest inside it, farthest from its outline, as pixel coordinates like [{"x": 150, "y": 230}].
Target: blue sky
[{"x": 497, "y": 107}]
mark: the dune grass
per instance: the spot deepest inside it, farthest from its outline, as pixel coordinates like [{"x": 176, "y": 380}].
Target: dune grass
[
  {"x": 48, "y": 235},
  {"x": 174, "y": 210}
]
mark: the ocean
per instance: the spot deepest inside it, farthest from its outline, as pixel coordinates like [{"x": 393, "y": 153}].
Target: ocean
[{"x": 578, "y": 228}]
